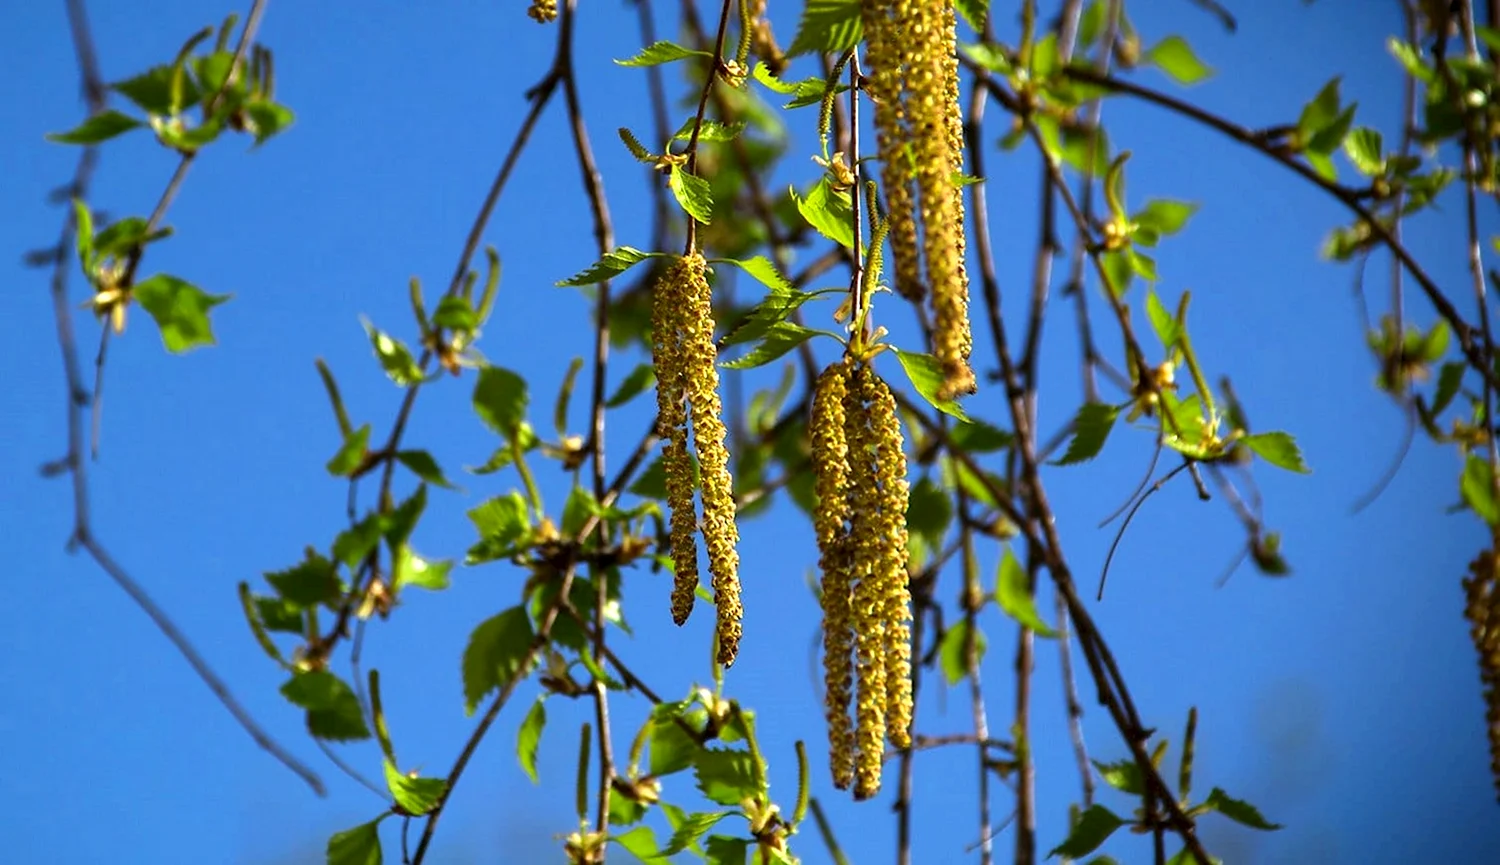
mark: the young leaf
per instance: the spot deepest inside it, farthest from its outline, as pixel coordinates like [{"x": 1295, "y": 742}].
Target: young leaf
[
  {"x": 639, "y": 842},
  {"x": 1279, "y": 449},
  {"x": 395, "y": 358},
  {"x": 639, "y": 379},
  {"x": 763, "y": 272},
  {"x": 953, "y": 654},
  {"x": 1124, "y": 776},
  {"x": 1015, "y": 598},
  {"x": 692, "y": 193},
  {"x": 827, "y": 27},
  {"x": 1175, "y": 57},
  {"x": 416, "y": 796},
  {"x": 979, "y": 437},
  {"x": 611, "y": 265},
  {"x": 351, "y": 453},
  {"x": 1091, "y": 428},
  {"x": 1094, "y": 828},
  {"x": 312, "y": 582},
  {"x": 1478, "y": 488},
  {"x": 709, "y": 130},
  {"x": 1363, "y": 147},
  {"x": 926, "y": 375},
  {"x": 500, "y": 400},
  {"x": 1165, "y": 216},
  {"x": 357, "y": 846},
  {"x": 529, "y": 736},
  {"x": 333, "y": 712},
  {"x": 1450, "y": 377},
  {"x": 100, "y": 127},
  {"x": 672, "y": 749},
  {"x": 425, "y": 467},
  {"x": 691, "y": 829},
  {"x": 928, "y": 511},
  {"x": 827, "y": 211},
  {"x": 1162, "y": 321},
  {"x": 499, "y": 650},
  {"x": 780, "y": 338},
  {"x": 775, "y": 309},
  {"x": 180, "y": 310},
  {"x": 411, "y": 569},
  {"x": 1239, "y": 811},
  {"x": 724, "y": 850},
  {"x": 973, "y": 12},
  {"x": 661, "y": 52},
  {"x": 726, "y": 776},
  {"x": 502, "y": 523},
  {"x": 267, "y": 119}
]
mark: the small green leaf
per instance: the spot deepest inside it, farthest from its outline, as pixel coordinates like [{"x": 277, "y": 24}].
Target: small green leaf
[
  {"x": 529, "y": 737},
  {"x": 1162, "y": 321},
  {"x": 691, "y": 829},
  {"x": 83, "y": 235},
  {"x": 279, "y": 614},
  {"x": 333, "y": 712},
  {"x": 953, "y": 654},
  {"x": 928, "y": 511},
  {"x": 1165, "y": 216},
  {"x": 926, "y": 375},
  {"x": 354, "y": 543},
  {"x": 1363, "y": 147},
  {"x": 672, "y": 749},
  {"x": 828, "y": 212},
  {"x": 357, "y": 846},
  {"x": 499, "y": 650},
  {"x": 268, "y": 118},
  {"x": 425, "y": 467},
  {"x": 639, "y": 379},
  {"x": 124, "y": 235},
  {"x": 974, "y": 12},
  {"x": 1094, "y": 828},
  {"x": 1015, "y": 598},
  {"x": 991, "y": 57},
  {"x": 724, "y": 850},
  {"x": 1329, "y": 138},
  {"x": 1124, "y": 776},
  {"x": 661, "y": 52},
  {"x": 312, "y": 582},
  {"x": 100, "y": 127},
  {"x": 692, "y": 193},
  {"x": 1450, "y": 377},
  {"x": 151, "y": 91},
  {"x": 726, "y": 776},
  {"x": 1175, "y": 57},
  {"x": 611, "y": 265},
  {"x": 395, "y": 358},
  {"x": 502, "y": 524},
  {"x": 764, "y": 272},
  {"x": 400, "y": 522},
  {"x": 639, "y": 842},
  {"x": 1091, "y": 428},
  {"x": 411, "y": 569},
  {"x": 624, "y": 811},
  {"x": 979, "y": 437},
  {"x": 827, "y": 27},
  {"x": 780, "y": 338},
  {"x": 455, "y": 313},
  {"x": 1478, "y": 488},
  {"x": 351, "y": 453},
  {"x": 416, "y": 796},
  {"x": 180, "y": 310},
  {"x": 710, "y": 130},
  {"x": 500, "y": 400},
  {"x": 1279, "y": 449},
  {"x": 1239, "y": 811},
  {"x": 770, "y": 312}
]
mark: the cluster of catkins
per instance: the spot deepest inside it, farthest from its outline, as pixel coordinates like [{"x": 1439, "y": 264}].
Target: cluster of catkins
[
  {"x": 1482, "y": 609},
  {"x": 687, "y": 386},
  {"x": 860, "y": 468},
  {"x": 914, "y": 85}
]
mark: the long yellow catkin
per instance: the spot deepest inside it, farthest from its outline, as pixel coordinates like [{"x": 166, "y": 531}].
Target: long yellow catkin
[
  {"x": 867, "y": 610},
  {"x": 668, "y": 308},
  {"x": 884, "y": 33},
  {"x": 894, "y": 588},
  {"x": 720, "y": 534},
  {"x": 1482, "y": 610},
  {"x": 830, "y": 463}
]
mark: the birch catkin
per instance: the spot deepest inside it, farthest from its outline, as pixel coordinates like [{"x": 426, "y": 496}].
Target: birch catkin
[{"x": 830, "y": 460}]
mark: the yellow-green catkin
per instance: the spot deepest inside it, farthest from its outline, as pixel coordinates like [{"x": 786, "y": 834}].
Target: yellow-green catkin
[
  {"x": 889, "y": 568},
  {"x": 668, "y": 307},
  {"x": 886, "y": 85},
  {"x": 1482, "y": 610},
  {"x": 830, "y": 464},
  {"x": 867, "y": 606},
  {"x": 956, "y": 151},
  {"x": 720, "y": 534}
]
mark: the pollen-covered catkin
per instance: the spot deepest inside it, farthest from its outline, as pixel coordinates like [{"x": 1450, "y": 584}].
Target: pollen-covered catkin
[
  {"x": 886, "y": 86},
  {"x": 890, "y": 566},
  {"x": 867, "y": 608},
  {"x": 830, "y": 464},
  {"x": 956, "y": 151},
  {"x": 720, "y": 534},
  {"x": 668, "y": 306},
  {"x": 1482, "y": 610}
]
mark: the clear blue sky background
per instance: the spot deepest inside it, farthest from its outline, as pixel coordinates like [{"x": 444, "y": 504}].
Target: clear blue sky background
[{"x": 1344, "y": 700}]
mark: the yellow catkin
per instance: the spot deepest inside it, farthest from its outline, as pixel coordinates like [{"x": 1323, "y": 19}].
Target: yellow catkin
[
  {"x": 668, "y": 305},
  {"x": 890, "y": 565},
  {"x": 956, "y": 150},
  {"x": 885, "y": 33},
  {"x": 830, "y": 464},
  {"x": 720, "y": 534},
  {"x": 867, "y": 607},
  {"x": 1482, "y": 610}
]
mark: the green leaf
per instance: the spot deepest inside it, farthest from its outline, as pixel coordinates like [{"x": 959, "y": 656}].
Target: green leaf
[
  {"x": 928, "y": 511},
  {"x": 611, "y": 265},
  {"x": 780, "y": 338},
  {"x": 395, "y": 358},
  {"x": 624, "y": 811},
  {"x": 333, "y": 711},
  {"x": 1322, "y": 110},
  {"x": 974, "y": 12},
  {"x": 357, "y": 846},
  {"x": 723, "y": 850},
  {"x": 1363, "y": 147},
  {"x": 411, "y": 569},
  {"x": 398, "y": 525},
  {"x": 828, "y": 212},
  {"x": 692, "y": 193},
  {"x": 151, "y": 91},
  {"x": 1279, "y": 449},
  {"x": 416, "y": 796},
  {"x": 672, "y": 749},
  {"x": 502, "y": 524},
  {"x": 1124, "y": 776},
  {"x": 1175, "y": 57},
  {"x": 500, "y": 400},
  {"x": 268, "y": 118},
  {"x": 1450, "y": 377},
  {"x": 1331, "y": 136},
  {"x": 351, "y": 453},
  {"x": 979, "y": 437},
  {"x": 1162, "y": 321},
  {"x": 499, "y": 650},
  {"x": 455, "y": 313},
  {"x": 710, "y": 130},
  {"x": 1094, "y": 828},
  {"x": 124, "y": 235},
  {"x": 1478, "y": 488},
  {"x": 1410, "y": 57},
  {"x": 1239, "y": 811},
  {"x": 529, "y": 737},
  {"x": 926, "y": 375},
  {"x": 990, "y": 57},
  {"x": 1015, "y": 598},
  {"x": 100, "y": 127},
  {"x": 1091, "y": 428},
  {"x": 279, "y": 614},
  {"x": 827, "y": 27},
  {"x": 639, "y": 379},
  {"x": 1141, "y": 264},
  {"x": 639, "y": 842},
  {"x": 425, "y": 467},
  {"x": 691, "y": 829},
  {"x": 83, "y": 234},
  {"x": 773, "y": 310},
  {"x": 953, "y": 654},
  {"x": 764, "y": 272},
  {"x": 180, "y": 310},
  {"x": 726, "y": 776},
  {"x": 354, "y": 543},
  {"x": 312, "y": 582},
  {"x": 1165, "y": 216},
  {"x": 661, "y": 52}
]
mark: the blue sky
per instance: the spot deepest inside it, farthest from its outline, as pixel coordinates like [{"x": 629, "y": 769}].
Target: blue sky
[{"x": 1344, "y": 700}]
